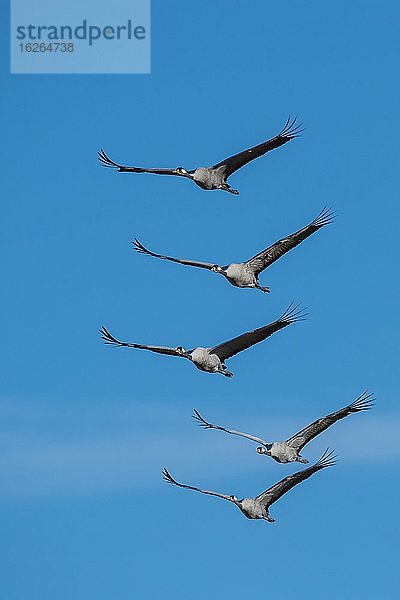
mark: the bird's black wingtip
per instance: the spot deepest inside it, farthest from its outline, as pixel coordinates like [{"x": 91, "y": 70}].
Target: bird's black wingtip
[
  {"x": 200, "y": 421},
  {"x": 103, "y": 331},
  {"x": 104, "y": 334},
  {"x": 167, "y": 476},
  {"x": 107, "y": 337},
  {"x": 196, "y": 415},
  {"x": 365, "y": 401},
  {"x": 138, "y": 246},
  {"x": 291, "y": 128},
  {"x": 105, "y": 160},
  {"x": 294, "y": 313},
  {"x": 324, "y": 217},
  {"x": 328, "y": 459}
]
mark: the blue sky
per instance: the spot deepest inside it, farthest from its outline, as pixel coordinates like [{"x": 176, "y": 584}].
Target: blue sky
[{"x": 84, "y": 429}]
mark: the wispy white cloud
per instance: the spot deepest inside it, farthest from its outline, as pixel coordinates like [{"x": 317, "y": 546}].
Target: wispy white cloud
[{"x": 46, "y": 452}]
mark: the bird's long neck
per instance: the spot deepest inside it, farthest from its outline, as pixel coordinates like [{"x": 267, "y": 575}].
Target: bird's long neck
[{"x": 188, "y": 174}]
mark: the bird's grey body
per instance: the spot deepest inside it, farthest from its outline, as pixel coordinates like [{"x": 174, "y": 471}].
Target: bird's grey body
[
  {"x": 245, "y": 274},
  {"x": 215, "y": 177},
  {"x": 209, "y": 178},
  {"x": 283, "y": 453},
  {"x": 241, "y": 275},
  {"x": 289, "y": 450},
  {"x": 252, "y": 509},
  {"x": 212, "y": 360},
  {"x": 205, "y": 360},
  {"x": 258, "y": 507}
]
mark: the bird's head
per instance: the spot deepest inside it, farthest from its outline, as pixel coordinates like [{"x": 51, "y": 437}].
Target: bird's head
[
  {"x": 217, "y": 269},
  {"x": 262, "y": 450},
  {"x": 181, "y": 171},
  {"x": 234, "y": 498},
  {"x": 181, "y": 350}
]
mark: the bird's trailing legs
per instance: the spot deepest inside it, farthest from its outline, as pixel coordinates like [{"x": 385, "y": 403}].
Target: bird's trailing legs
[
  {"x": 263, "y": 288},
  {"x": 269, "y": 519},
  {"x": 226, "y": 372},
  {"x": 228, "y": 188}
]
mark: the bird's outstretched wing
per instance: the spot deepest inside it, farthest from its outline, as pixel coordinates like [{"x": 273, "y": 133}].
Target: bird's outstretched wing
[
  {"x": 276, "y": 491},
  {"x": 203, "y": 423},
  {"x": 227, "y": 349},
  {"x": 169, "y": 479},
  {"x": 266, "y": 257},
  {"x": 107, "y": 162},
  {"x": 300, "y": 439},
  {"x": 290, "y": 130},
  {"x": 109, "y": 339},
  {"x": 183, "y": 261}
]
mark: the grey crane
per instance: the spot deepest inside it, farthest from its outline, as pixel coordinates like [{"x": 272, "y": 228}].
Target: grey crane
[
  {"x": 212, "y": 360},
  {"x": 289, "y": 450},
  {"x": 245, "y": 274},
  {"x": 215, "y": 177},
  {"x": 258, "y": 507}
]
